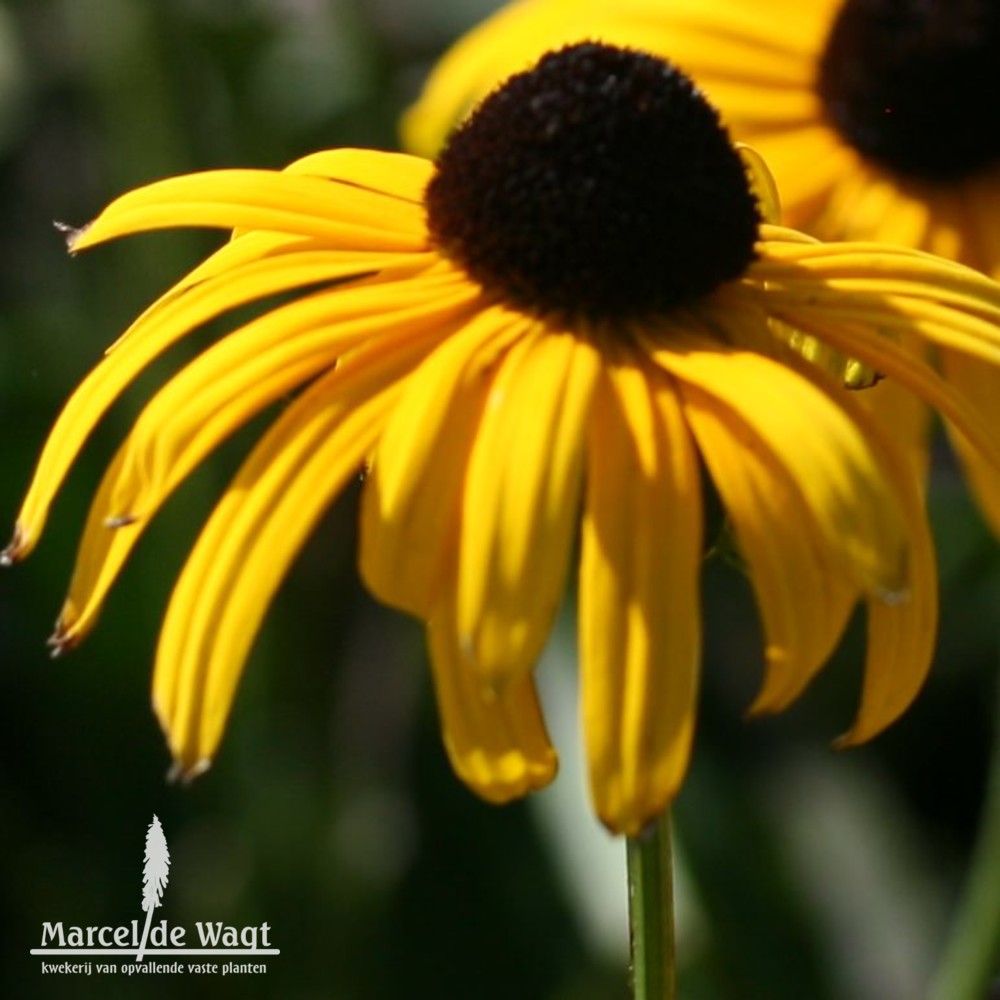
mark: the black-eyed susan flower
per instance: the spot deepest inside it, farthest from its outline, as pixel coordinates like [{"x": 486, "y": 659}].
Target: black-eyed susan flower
[
  {"x": 567, "y": 321},
  {"x": 877, "y": 118}
]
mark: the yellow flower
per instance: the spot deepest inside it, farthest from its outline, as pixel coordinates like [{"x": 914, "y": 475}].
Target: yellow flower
[
  {"x": 558, "y": 323},
  {"x": 877, "y": 119}
]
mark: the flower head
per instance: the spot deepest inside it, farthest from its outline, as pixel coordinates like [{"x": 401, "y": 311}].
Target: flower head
[
  {"x": 575, "y": 310},
  {"x": 875, "y": 117}
]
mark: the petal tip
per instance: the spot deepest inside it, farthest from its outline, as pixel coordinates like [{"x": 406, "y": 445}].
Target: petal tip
[
  {"x": 507, "y": 777},
  {"x": 18, "y": 547},
  {"x": 183, "y": 773},
  {"x": 66, "y": 635},
  {"x": 761, "y": 708},
  {"x": 852, "y": 738},
  {"x": 61, "y": 641},
  {"x": 638, "y": 826},
  {"x": 73, "y": 234}
]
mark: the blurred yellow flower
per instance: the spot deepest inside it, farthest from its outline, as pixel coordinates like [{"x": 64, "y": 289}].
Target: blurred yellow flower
[
  {"x": 876, "y": 117},
  {"x": 552, "y": 325}
]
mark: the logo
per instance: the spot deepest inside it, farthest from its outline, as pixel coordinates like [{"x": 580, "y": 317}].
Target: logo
[
  {"x": 211, "y": 940},
  {"x": 155, "y": 873}
]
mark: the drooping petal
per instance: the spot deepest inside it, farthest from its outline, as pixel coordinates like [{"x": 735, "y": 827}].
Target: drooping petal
[
  {"x": 520, "y": 502},
  {"x": 495, "y": 739},
  {"x": 800, "y": 589},
  {"x": 222, "y": 389},
  {"x": 811, "y": 436},
  {"x": 901, "y": 630},
  {"x": 639, "y": 615},
  {"x": 411, "y": 509},
  {"x": 256, "y": 530},
  {"x": 153, "y": 333}
]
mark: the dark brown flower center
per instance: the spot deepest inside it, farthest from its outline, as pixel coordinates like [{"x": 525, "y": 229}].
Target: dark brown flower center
[
  {"x": 599, "y": 183},
  {"x": 915, "y": 84}
]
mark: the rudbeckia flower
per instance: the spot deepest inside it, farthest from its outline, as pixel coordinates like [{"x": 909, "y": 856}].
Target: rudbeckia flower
[
  {"x": 569, "y": 321},
  {"x": 877, "y": 119}
]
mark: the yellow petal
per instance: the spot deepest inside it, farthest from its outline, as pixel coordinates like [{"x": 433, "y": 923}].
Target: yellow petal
[
  {"x": 219, "y": 392},
  {"x": 256, "y": 530},
  {"x": 639, "y": 616},
  {"x": 902, "y": 631},
  {"x": 496, "y": 740},
  {"x": 520, "y": 503},
  {"x": 803, "y": 598},
  {"x": 905, "y": 418},
  {"x": 411, "y": 508},
  {"x": 803, "y": 26}
]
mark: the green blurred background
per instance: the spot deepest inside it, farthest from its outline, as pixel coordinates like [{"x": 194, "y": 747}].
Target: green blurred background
[{"x": 331, "y": 812}]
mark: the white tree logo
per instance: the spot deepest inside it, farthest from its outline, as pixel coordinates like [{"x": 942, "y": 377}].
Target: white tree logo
[{"x": 155, "y": 872}]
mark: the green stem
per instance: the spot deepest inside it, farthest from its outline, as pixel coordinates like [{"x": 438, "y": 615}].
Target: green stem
[
  {"x": 651, "y": 912},
  {"x": 971, "y": 956}
]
